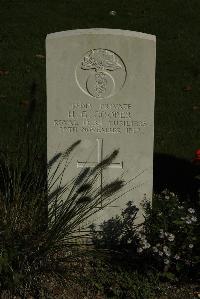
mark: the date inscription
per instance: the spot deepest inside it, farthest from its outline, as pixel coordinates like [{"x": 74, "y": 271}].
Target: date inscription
[{"x": 104, "y": 118}]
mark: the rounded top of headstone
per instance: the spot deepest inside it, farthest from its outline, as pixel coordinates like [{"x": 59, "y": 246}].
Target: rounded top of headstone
[{"x": 127, "y": 33}]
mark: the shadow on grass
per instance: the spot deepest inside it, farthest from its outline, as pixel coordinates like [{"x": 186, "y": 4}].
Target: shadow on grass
[{"x": 177, "y": 175}]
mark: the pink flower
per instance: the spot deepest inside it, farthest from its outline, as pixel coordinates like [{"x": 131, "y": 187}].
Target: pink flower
[{"x": 197, "y": 156}]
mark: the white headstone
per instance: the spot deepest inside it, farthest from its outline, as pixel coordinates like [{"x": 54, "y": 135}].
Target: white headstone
[{"x": 101, "y": 89}]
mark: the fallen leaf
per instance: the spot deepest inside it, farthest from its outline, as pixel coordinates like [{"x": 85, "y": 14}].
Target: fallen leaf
[
  {"x": 40, "y": 56},
  {"x": 24, "y": 103},
  {"x": 196, "y": 107},
  {"x": 112, "y": 13},
  {"x": 187, "y": 87},
  {"x": 3, "y": 72},
  {"x": 197, "y": 294}
]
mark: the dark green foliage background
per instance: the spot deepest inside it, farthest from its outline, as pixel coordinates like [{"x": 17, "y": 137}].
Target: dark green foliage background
[{"x": 176, "y": 23}]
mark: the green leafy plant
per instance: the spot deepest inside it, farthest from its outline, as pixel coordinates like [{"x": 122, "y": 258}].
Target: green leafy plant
[
  {"x": 172, "y": 229},
  {"x": 167, "y": 241},
  {"x": 112, "y": 281},
  {"x": 118, "y": 232},
  {"x": 39, "y": 233}
]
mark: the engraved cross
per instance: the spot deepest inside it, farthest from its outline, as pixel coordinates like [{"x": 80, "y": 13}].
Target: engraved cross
[{"x": 99, "y": 160}]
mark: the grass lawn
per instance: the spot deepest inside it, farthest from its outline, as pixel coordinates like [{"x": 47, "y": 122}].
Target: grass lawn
[{"x": 25, "y": 24}]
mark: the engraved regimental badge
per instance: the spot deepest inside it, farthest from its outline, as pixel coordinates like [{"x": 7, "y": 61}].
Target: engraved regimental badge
[{"x": 100, "y": 73}]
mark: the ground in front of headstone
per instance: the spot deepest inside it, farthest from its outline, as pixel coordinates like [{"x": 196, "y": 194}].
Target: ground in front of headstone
[{"x": 85, "y": 283}]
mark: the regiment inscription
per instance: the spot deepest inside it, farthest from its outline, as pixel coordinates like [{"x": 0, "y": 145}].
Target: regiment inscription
[{"x": 100, "y": 118}]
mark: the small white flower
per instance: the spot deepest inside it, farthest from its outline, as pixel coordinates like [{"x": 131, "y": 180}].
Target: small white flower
[
  {"x": 190, "y": 210},
  {"x": 183, "y": 218},
  {"x": 145, "y": 244},
  {"x": 172, "y": 194},
  {"x": 181, "y": 207},
  {"x": 191, "y": 246},
  {"x": 139, "y": 250},
  {"x": 177, "y": 257},
  {"x": 171, "y": 237},
  {"x": 166, "y": 261},
  {"x": 161, "y": 233},
  {"x": 160, "y": 214},
  {"x": 165, "y": 248},
  {"x": 166, "y": 251},
  {"x": 155, "y": 249},
  {"x": 160, "y": 253},
  {"x": 113, "y": 12},
  {"x": 188, "y": 221},
  {"x": 143, "y": 237},
  {"x": 166, "y": 197},
  {"x": 158, "y": 245},
  {"x": 148, "y": 245},
  {"x": 194, "y": 219}
]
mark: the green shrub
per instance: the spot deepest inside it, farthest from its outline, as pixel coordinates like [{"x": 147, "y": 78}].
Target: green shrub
[
  {"x": 172, "y": 230},
  {"x": 119, "y": 232},
  {"x": 168, "y": 241}
]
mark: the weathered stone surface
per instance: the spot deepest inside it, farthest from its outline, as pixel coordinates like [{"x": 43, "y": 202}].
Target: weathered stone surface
[{"x": 101, "y": 89}]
